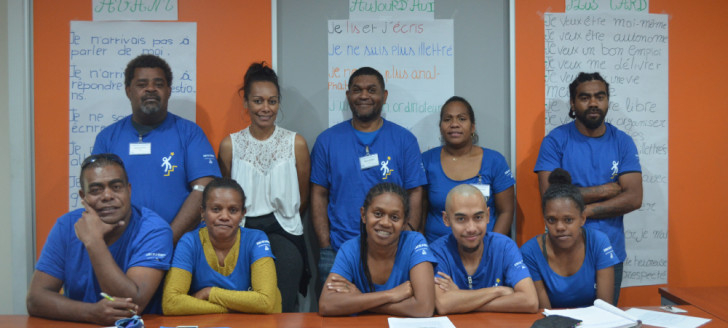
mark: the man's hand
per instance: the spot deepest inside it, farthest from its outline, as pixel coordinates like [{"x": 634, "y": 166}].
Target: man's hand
[
  {"x": 401, "y": 292},
  {"x": 445, "y": 282},
  {"x": 106, "y": 312},
  {"x": 90, "y": 228},
  {"x": 203, "y": 294}
]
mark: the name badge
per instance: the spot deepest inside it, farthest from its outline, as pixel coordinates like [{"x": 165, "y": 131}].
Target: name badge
[
  {"x": 140, "y": 148},
  {"x": 368, "y": 161},
  {"x": 484, "y": 189}
]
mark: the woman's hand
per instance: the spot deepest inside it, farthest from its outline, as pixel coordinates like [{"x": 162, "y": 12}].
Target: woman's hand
[
  {"x": 203, "y": 294},
  {"x": 401, "y": 292},
  {"x": 341, "y": 285}
]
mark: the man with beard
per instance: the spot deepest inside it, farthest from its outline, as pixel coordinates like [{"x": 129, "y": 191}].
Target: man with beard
[
  {"x": 602, "y": 160},
  {"x": 351, "y": 157},
  {"x": 169, "y": 159},
  {"x": 478, "y": 271},
  {"x": 110, "y": 246}
]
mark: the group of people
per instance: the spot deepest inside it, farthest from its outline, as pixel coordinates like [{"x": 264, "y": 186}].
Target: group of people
[{"x": 399, "y": 232}]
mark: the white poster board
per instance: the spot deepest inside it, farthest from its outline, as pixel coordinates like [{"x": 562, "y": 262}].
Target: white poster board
[
  {"x": 160, "y": 10},
  {"x": 631, "y": 52},
  {"x": 602, "y": 6},
  {"x": 398, "y": 9},
  {"x": 416, "y": 59},
  {"x": 99, "y": 53}
]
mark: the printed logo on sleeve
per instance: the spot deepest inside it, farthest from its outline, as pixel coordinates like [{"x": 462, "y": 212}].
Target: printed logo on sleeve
[
  {"x": 155, "y": 256},
  {"x": 609, "y": 252},
  {"x": 210, "y": 158},
  {"x": 508, "y": 173},
  {"x": 422, "y": 249},
  {"x": 265, "y": 244},
  {"x": 519, "y": 265}
]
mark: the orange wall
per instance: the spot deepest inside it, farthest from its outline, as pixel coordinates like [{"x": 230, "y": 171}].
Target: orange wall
[
  {"x": 698, "y": 114},
  {"x": 230, "y": 35}
]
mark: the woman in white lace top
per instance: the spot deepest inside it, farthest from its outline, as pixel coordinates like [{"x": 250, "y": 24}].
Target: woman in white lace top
[{"x": 272, "y": 165}]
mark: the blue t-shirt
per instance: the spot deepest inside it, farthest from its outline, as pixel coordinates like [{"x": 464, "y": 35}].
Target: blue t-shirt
[
  {"x": 180, "y": 154},
  {"x": 501, "y": 264},
  {"x": 592, "y": 162},
  {"x": 493, "y": 171},
  {"x": 146, "y": 242},
  {"x": 335, "y": 166},
  {"x": 412, "y": 249},
  {"x": 578, "y": 289},
  {"x": 190, "y": 256}
]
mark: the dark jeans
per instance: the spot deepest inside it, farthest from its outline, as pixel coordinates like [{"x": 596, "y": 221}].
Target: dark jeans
[
  {"x": 327, "y": 256},
  {"x": 618, "y": 270},
  {"x": 290, "y": 259}
]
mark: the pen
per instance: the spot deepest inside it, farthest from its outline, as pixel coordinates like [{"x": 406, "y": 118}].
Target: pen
[{"x": 106, "y": 296}]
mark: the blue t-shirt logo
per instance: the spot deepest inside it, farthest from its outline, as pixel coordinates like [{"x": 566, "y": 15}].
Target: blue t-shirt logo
[
  {"x": 615, "y": 168},
  {"x": 168, "y": 167},
  {"x": 384, "y": 168}
]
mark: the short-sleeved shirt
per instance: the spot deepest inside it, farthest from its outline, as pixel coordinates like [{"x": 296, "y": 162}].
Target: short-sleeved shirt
[
  {"x": 578, "y": 289},
  {"x": 190, "y": 256},
  {"x": 335, "y": 166},
  {"x": 412, "y": 250},
  {"x": 494, "y": 171},
  {"x": 146, "y": 242},
  {"x": 180, "y": 154},
  {"x": 500, "y": 264},
  {"x": 592, "y": 162}
]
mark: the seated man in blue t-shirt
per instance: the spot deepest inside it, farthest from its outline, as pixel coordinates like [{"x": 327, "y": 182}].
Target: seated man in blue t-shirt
[
  {"x": 109, "y": 246},
  {"x": 478, "y": 271}
]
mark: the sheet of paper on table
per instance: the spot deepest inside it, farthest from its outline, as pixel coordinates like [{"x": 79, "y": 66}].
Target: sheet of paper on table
[
  {"x": 661, "y": 319},
  {"x": 601, "y": 315},
  {"x": 436, "y": 322}
]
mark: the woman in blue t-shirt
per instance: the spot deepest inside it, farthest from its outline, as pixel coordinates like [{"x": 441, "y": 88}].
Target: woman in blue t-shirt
[
  {"x": 384, "y": 270},
  {"x": 222, "y": 267},
  {"x": 460, "y": 161},
  {"x": 571, "y": 266}
]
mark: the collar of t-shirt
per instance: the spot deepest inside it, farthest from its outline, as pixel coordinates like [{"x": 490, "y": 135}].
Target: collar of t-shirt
[
  {"x": 144, "y": 129},
  {"x": 366, "y": 138}
]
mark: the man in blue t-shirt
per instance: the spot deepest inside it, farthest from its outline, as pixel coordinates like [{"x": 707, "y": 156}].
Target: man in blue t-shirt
[
  {"x": 169, "y": 159},
  {"x": 478, "y": 270},
  {"x": 109, "y": 246},
  {"x": 602, "y": 160},
  {"x": 353, "y": 156}
]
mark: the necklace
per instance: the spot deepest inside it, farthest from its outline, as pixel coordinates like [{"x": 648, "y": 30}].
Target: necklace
[{"x": 455, "y": 158}]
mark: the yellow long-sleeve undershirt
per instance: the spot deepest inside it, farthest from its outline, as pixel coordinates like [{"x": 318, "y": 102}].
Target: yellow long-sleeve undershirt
[{"x": 264, "y": 298}]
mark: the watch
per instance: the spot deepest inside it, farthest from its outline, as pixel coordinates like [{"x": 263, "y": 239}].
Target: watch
[{"x": 198, "y": 188}]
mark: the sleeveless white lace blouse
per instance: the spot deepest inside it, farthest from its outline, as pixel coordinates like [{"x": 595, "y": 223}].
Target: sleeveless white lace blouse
[{"x": 267, "y": 172}]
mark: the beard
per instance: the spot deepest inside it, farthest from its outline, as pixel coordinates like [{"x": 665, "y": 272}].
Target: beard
[
  {"x": 471, "y": 249},
  {"x": 591, "y": 124},
  {"x": 151, "y": 108},
  {"x": 368, "y": 117}
]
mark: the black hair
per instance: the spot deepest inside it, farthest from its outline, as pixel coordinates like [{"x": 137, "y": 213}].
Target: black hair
[
  {"x": 101, "y": 160},
  {"x": 581, "y": 78},
  {"x": 146, "y": 61},
  {"x": 471, "y": 113},
  {"x": 259, "y": 72},
  {"x": 560, "y": 187},
  {"x": 381, "y": 188},
  {"x": 366, "y": 70},
  {"x": 218, "y": 183}
]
